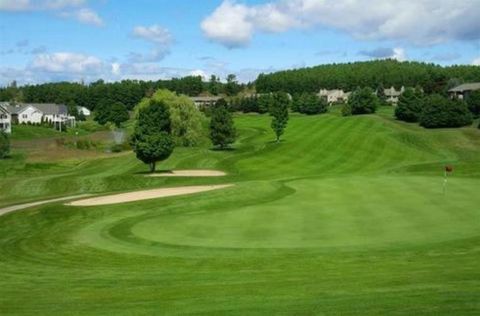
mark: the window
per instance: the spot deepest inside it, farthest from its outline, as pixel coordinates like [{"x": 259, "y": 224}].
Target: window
[{"x": 24, "y": 116}]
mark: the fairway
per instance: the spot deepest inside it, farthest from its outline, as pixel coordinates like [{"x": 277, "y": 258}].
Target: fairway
[{"x": 346, "y": 216}]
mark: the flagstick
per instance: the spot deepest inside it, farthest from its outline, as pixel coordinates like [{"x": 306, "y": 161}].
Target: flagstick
[{"x": 445, "y": 183}]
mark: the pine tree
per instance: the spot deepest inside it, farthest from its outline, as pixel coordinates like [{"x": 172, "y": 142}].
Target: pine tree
[
  {"x": 222, "y": 129},
  {"x": 279, "y": 113}
]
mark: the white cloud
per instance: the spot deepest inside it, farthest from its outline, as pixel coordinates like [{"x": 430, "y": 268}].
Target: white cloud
[
  {"x": 15, "y": 5},
  {"x": 399, "y": 54},
  {"x": 84, "y": 15},
  {"x": 155, "y": 34},
  {"x": 476, "y": 62},
  {"x": 32, "y": 5},
  {"x": 66, "y": 62},
  {"x": 116, "y": 69},
  {"x": 422, "y": 22},
  {"x": 229, "y": 24}
]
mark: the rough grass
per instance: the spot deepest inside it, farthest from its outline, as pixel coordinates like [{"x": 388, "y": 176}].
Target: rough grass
[{"x": 346, "y": 216}]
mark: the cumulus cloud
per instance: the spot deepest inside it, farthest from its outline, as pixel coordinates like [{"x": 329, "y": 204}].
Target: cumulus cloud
[
  {"x": 85, "y": 16},
  {"x": 155, "y": 34},
  {"x": 66, "y": 62},
  {"x": 160, "y": 37},
  {"x": 476, "y": 62},
  {"x": 422, "y": 22},
  {"x": 75, "y": 9},
  {"x": 31, "y": 5},
  {"x": 384, "y": 52}
]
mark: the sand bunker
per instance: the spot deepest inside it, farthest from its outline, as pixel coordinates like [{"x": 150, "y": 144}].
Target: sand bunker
[
  {"x": 19, "y": 207},
  {"x": 189, "y": 173},
  {"x": 146, "y": 195}
]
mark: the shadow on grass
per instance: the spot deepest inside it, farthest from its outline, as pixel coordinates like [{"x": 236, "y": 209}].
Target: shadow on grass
[
  {"x": 156, "y": 172},
  {"x": 223, "y": 149}
]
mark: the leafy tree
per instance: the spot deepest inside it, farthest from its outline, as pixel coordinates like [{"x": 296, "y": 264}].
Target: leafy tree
[
  {"x": 409, "y": 107},
  {"x": 279, "y": 113},
  {"x": 309, "y": 103},
  {"x": 214, "y": 85},
  {"x": 473, "y": 102},
  {"x": 72, "y": 109},
  {"x": 363, "y": 101},
  {"x": 187, "y": 121},
  {"x": 265, "y": 101},
  {"x": 118, "y": 114},
  {"x": 4, "y": 145},
  {"x": 232, "y": 87},
  {"x": 439, "y": 111},
  {"x": 222, "y": 129},
  {"x": 152, "y": 140}
]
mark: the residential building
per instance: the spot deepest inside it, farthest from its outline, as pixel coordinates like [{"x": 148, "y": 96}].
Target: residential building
[
  {"x": 392, "y": 95},
  {"x": 462, "y": 91},
  {"x": 36, "y": 113},
  {"x": 204, "y": 101},
  {"x": 83, "y": 110},
  {"x": 5, "y": 119},
  {"x": 334, "y": 96}
]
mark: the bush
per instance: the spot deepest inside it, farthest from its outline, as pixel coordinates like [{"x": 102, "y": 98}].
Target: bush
[
  {"x": 309, "y": 103},
  {"x": 473, "y": 102},
  {"x": 363, "y": 101},
  {"x": 409, "y": 106},
  {"x": 90, "y": 126},
  {"x": 4, "y": 145},
  {"x": 442, "y": 112}
]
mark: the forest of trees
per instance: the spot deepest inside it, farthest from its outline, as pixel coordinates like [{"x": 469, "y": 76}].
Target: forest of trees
[
  {"x": 432, "y": 78},
  {"x": 127, "y": 92}
]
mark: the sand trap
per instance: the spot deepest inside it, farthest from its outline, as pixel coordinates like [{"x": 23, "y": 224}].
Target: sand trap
[
  {"x": 19, "y": 207},
  {"x": 146, "y": 195},
  {"x": 189, "y": 173}
]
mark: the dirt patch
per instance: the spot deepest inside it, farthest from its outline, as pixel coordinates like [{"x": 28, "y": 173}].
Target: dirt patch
[
  {"x": 146, "y": 195},
  {"x": 189, "y": 173}
]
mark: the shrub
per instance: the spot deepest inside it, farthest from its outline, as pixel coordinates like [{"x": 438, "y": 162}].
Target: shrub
[
  {"x": 473, "y": 102},
  {"x": 409, "y": 106},
  {"x": 4, "y": 145},
  {"x": 309, "y": 103},
  {"x": 442, "y": 112},
  {"x": 363, "y": 101}
]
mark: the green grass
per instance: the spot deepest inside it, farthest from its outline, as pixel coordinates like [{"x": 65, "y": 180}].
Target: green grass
[{"x": 346, "y": 216}]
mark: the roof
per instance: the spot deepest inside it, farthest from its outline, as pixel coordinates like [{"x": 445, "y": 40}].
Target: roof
[
  {"x": 205, "y": 99},
  {"x": 4, "y": 107},
  {"x": 45, "y": 108},
  {"x": 466, "y": 87},
  {"x": 392, "y": 92}
]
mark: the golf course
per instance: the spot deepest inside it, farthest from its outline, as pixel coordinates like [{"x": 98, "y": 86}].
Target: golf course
[{"x": 345, "y": 216}]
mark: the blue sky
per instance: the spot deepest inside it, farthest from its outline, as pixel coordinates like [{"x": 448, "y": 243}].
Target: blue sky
[{"x": 52, "y": 40}]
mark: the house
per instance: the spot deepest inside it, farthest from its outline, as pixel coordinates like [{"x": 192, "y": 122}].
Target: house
[
  {"x": 36, "y": 113},
  {"x": 392, "y": 95},
  {"x": 5, "y": 119},
  {"x": 83, "y": 110},
  {"x": 462, "y": 91},
  {"x": 204, "y": 101},
  {"x": 334, "y": 96}
]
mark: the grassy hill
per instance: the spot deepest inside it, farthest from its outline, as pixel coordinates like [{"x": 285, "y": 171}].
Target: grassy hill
[{"x": 345, "y": 216}]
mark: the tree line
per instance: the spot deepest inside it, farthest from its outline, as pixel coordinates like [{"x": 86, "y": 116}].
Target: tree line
[
  {"x": 127, "y": 92},
  {"x": 348, "y": 76}
]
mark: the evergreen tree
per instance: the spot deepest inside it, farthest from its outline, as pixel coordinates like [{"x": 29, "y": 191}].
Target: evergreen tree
[
  {"x": 473, "y": 102},
  {"x": 439, "y": 111},
  {"x": 222, "y": 129},
  {"x": 279, "y": 113},
  {"x": 363, "y": 101},
  {"x": 232, "y": 87},
  {"x": 4, "y": 145},
  {"x": 409, "y": 107},
  {"x": 382, "y": 98},
  {"x": 152, "y": 140}
]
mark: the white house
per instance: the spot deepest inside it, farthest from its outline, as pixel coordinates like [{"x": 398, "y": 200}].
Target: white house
[
  {"x": 463, "y": 91},
  {"x": 334, "y": 96},
  {"x": 204, "y": 101},
  {"x": 83, "y": 110},
  {"x": 392, "y": 95},
  {"x": 36, "y": 113},
  {"x": 24, "y": 114},
  {"x": 5, "y": 119}
]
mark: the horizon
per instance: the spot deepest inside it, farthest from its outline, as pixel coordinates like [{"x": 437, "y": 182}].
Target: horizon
[{"x": 80, "y": 40}]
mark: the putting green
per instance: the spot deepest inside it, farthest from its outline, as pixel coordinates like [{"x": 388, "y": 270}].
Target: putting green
[{"x": 331, "y": 213}]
